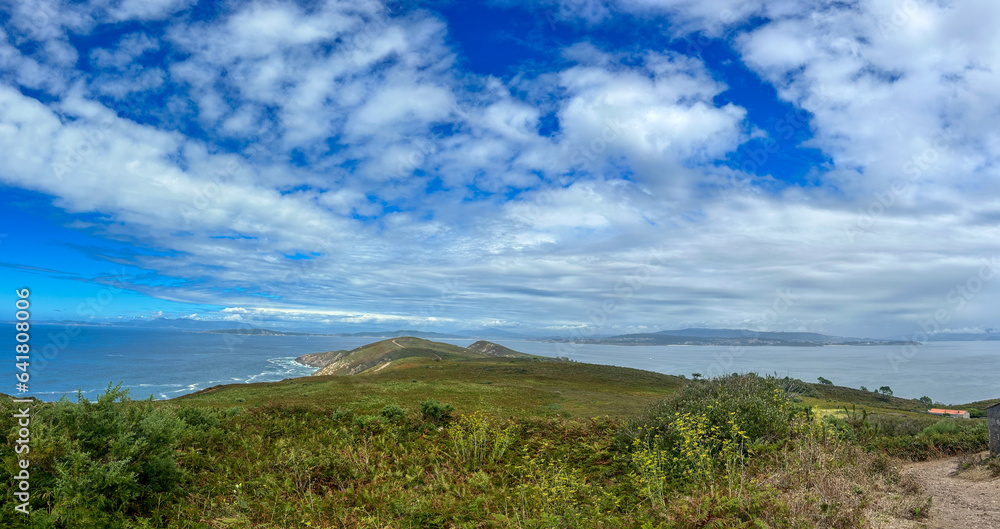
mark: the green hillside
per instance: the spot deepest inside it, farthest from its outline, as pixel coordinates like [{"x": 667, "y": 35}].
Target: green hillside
[
  {"x": 410, "y": 370},
  {"x": 492, "y": 349},
  {"x": 384, "y": 352}
]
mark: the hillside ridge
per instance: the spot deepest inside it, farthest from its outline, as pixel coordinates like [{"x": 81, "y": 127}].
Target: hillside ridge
[{"x": 376, "y": 354}]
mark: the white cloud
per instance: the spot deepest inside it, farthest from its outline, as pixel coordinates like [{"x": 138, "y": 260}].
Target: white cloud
[
  {"x": 711, "y": 17},
  {"x": 142, "y": 9},
  {"x": 129, "y": 48},
  {"x": 345, "y": 112},
  {"x": 896, "y": 97}
]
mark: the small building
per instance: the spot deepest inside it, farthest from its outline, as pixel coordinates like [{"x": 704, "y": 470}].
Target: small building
[
  {"x": 993, "y": 420},
  {"x": 958, "y": 414}
]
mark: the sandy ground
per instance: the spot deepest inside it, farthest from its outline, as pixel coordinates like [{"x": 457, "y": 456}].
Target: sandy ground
[{"x": 967, "y": 501}]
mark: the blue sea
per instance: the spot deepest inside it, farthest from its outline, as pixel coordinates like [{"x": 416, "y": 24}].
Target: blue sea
[{"x": 168, "y": 363}]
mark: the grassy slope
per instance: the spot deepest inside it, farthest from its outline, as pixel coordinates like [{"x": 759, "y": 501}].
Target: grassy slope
[
  {"x": 981, "y": 404},
  {"x": 837, "y": 396},
  {"x": 409, "y": 370},
  {"x": 525, "y": 388},
  {"x": 493, "y": 349},
  {"x": 373, "y": 354},
  {"x": 516, "y": 387}
]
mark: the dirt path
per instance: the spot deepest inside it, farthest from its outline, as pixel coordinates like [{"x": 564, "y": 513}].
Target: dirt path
[{"x": 958, "y": 502}]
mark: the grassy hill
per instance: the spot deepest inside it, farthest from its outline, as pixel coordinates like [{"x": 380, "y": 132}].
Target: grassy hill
[
  {"x": 381, "y": 353},
  {"x": 484, "y": 376},
  {"x": 493, "y": 349}
]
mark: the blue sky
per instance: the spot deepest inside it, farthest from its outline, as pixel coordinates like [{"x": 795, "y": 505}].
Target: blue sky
[{"x": 554, "y": 167}]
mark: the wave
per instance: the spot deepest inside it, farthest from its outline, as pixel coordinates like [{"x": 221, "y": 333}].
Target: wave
[
  {"x": 282, "y": 367},
  {"x": 276, "y": 369}
]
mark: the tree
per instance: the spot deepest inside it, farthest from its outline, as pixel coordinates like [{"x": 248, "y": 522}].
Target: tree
[
  {"x": 885, "y": 390},
  {"x": 696, "y": 376},
  {"x": 825, "y": 381},
  {"x": 926, "y": 400},
  {"x": 864, "y": 388}
]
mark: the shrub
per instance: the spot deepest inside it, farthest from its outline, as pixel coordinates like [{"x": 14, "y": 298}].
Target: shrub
[
  {"x": 435, "y": 411},
  {"x": 480, "y": 439},
  {"x": 392, "y": 412},
  {"x": 759, "y": 404},
  {"x": 342, "y": 414},
  {"x": 945, "y": 426},
  {"x": 200, "y": 418},
  {"x": 704, "y": 432},
  {"x": 365, "y": 421},
  {"x": 944, "y": 438},
  {"x": 855, "y": 426},
  {"x": 894, "y": 425},
  {"x": 796, "y": 388},
  {"x": 107, "y": 460}
]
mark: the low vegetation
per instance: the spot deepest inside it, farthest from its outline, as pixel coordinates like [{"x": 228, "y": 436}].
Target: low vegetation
[{"x": 496, "y": 442}]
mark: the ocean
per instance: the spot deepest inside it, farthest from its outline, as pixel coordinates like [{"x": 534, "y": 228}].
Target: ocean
[{"x": 168, "y": 363}]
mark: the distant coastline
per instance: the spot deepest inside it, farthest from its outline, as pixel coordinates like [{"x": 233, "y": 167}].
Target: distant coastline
[{"x": 677, "y": 337}]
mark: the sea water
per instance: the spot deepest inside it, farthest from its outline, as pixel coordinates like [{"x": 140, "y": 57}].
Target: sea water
[{"x": 161, "y": 363}]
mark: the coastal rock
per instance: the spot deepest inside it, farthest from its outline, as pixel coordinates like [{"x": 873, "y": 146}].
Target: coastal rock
[{"x": 320, "y": 360}]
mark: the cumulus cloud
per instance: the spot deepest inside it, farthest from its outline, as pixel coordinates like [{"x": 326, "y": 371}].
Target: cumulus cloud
[{"x": 336, "y": 162}]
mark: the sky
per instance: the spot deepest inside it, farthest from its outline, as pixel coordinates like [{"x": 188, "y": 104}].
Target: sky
[{"x": 551, "y": 167}]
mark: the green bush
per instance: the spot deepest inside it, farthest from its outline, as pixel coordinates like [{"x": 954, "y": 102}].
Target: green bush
[
  {"x": 893, "y": 425},
  {"x": 759, "y": 406},
  {"x": 435, "y": 411},
  {"x": 945, "y": 438},
  {"x": 342, "y": 414},
  {"x": 706, "y": 430},
  {"x": 103, "y": 461},
  {"x": 201, "y": 418},
  {"x": 796, "y": 388},
  {"x": 946, "y": 426},
  {"x": 393, "y": 412},
  {"x": 368, "y": 421}
]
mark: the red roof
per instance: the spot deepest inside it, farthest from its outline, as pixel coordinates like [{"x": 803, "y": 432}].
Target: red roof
[{"x": 946, "y": 412}]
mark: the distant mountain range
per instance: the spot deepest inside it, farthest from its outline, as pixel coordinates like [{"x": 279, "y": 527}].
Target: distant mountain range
[
  {"x": 397, "y": 334},
  {"x": 490, "y": 333},
  {"x": 256, "y": 331},
  {"x": 695, "y": 336},
  {"x": 181, "y": 324},
  {"x": 464, "y": 335}
]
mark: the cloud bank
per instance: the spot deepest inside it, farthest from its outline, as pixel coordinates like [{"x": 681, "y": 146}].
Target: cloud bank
[{"x": 340, "y": 163}]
